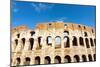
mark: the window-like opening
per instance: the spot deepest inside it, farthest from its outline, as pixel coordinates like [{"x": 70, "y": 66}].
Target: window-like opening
[
  {"x": 84, "y": 27},
  {"x": 66, "y": 33},
  {"x": 27, "y": 61},
  {"x": 81, "y": 41},
  {"x": 47, "y": 60},
  {"x": 94, "y": 57},
  {"x": 66, "y": 42},
  {"x": 16, "y": 42},
  {"x": 84, "y": 59},
  {"x": 37, "y": 60},
  {"x": 76, "y": 58},
  {"x": 32, "y": 33},
  {"x": 90, "y": 57},
  {"x": 23, "y": 41},
  {"x": 67, "y": 59},
  {"x": 18, "y": 61},
  {"x": 58, "y": 42},
  {"x": 49, "y": 40},
  {"x": 40, "y": 41},
  {"x": 91, "y": 41},
  {"x": 18, "y": 35},
  {"x": 87, "y": 43},
  {"x": 31, "y": 43},
  {"x": 85, "y": 34},
  {"x": 75, "y": 41},
  {"x": 92, "y": 31},
  {"x": 57, "y": 59},
  {"x": 65, "y": 24},
  {"x": 79, "y": 26}
]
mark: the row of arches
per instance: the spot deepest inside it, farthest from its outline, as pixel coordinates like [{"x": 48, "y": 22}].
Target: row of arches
[
  {"x": 57, "y": 59},
  {"x": 82, "y": 41}
]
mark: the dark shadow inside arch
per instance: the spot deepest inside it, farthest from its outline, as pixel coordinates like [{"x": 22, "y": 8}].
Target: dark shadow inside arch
[
  {"x": 47, "y": 60},
  {"x": 90, "y": 57},
  {"x": 84, "y": 59},
  {"x": 27, "y": 61},
  {"x": 67, "y": 59},
  {"x": 37, "y": 60},
  {"x": 66, "y": 42},
  {"x": 76, "y": 58},
  {"x": 31, "y": 43},
  {"x": 57, "y": 59}
]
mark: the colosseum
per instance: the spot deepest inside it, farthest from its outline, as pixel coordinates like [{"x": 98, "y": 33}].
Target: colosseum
[{"x": 53, "y": 43}]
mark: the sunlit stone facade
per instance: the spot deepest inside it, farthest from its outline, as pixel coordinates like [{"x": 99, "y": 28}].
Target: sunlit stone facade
[{"x": 56, "y": 42}]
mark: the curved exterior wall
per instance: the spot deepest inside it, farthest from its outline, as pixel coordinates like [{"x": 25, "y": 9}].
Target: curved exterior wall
[{"x": 53, "y": 43}]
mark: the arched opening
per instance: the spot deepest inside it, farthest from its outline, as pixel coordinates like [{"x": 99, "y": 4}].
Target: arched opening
[
  {"x": 49, "y": 40},
  {"x": 47, "y": 60},
  {"x": 84, "y": 59},
  {"x": 74, "y": 41},
  {"x": 94, "y": 57},
  {"x": 85, "y": 34},
  {"x": 81, "y": 41},
  {"x": 37, "y": 60},
  {"x": 66, "y": 42},
  {"x": 87, "y": 43},
  {"x": 91, "y": 41},
  {"x": 31, "y": 43},
  {"x": 57, "y": 59},
  {"x": 23, "y": 41},
  {"x": 27, "y": 61},
  {"x": 90, "y": 57},
  {"x": 16, "y": 42},
  {"x": 67, "y": 59},
  {"x": 76, "y": 58},
  {"x": 66, "y": 33},
  {"x": 18, "y": 61},
  {"x": 58, "y": 42},
  {"x": 32, "y": 33},
  {"x": 18, "y": 35}
]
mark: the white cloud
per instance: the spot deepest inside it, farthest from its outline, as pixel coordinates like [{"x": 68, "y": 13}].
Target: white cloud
[{"x": 41, "y": 7}]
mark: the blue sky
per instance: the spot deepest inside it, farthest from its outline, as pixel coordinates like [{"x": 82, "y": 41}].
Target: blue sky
[{"x": 32, "y": 13}]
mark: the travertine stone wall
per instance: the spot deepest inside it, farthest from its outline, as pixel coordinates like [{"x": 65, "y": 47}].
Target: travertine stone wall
[{"x": 52, "y": 52}]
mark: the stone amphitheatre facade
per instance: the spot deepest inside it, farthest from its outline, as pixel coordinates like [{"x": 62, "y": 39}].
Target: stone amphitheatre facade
[{"x": 50, "y": 43}]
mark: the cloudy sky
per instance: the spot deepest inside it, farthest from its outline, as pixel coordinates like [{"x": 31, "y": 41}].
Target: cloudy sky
[{"x": 32, "y": 13}]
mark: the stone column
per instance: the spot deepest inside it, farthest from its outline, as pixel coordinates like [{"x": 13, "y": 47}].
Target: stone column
[
  {"x": 35, "y": 43},
  {"x": 27, "y": 45},
  {"x": 19, "y": 46}
]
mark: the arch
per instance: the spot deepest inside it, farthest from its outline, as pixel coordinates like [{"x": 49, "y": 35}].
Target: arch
[
  {"x": 76, "y": 58},
  {"x": 87, "y": 43},
  {"x": 31, "y": 43},
  {"x": 27, "y": 61},
  {"x": 49, "y": 40},
  {"x": 67, "y": 59},
  {"x": 23, "y": 41},
  {"x": 81, "y": 41},
  {"x": 58, "y": 42},
  {"x": 18, "y": 60},
  {"x": 66, "y": 42},
  {"x": 90, "y": 57},
  {"x": 84, "y": 59},
  {"x": 57, "y": 59},
  {"x": 32, "y": 33},
  {"x": 40, "y": 41},
  {"x": 18, "y": 35},
  {"x": 37, "y": 60},
  {"x": 74, "y": 41},
  {"x": 85, "y": 34},
  {"x": 47, "y": 60},
  {"x": 66, "y": 33},
  {"x": 94, "y": 57},
  {"x": 16, "y": 42},
  {"x": 91, "y": 41}
]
